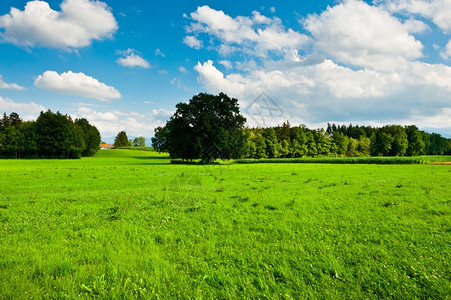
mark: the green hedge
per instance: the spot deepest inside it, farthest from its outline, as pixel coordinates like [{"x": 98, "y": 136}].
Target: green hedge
[{"x": 351, "y": 160}]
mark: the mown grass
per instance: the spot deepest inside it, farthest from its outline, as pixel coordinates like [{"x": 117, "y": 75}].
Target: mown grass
[{"x": 128, "y": 224}]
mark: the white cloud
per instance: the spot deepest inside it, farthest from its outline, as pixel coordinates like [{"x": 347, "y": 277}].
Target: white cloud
[
  {"x": 446, "y": 54},
  {"x": 77, "y": 84},
  {"x": 439, "y": 120},
  {"x": 109, "y": 123},
  {"x": 272, "y": 9},
  {"x": 362, "y": 64},
  {"x": 415, "y": 26},
  {"x": 27, "y": 111},
  {"x": 311, "y": 93},
  {"x": 10, "y": 86},
  {"x": 183, "y": 70},
  {"x": 192, "y": 42},
  {"x": 439, "y": 11},
  {"x": 356, "y": 33},
  {"x": 94, "y": 115},
  {"x": 132, "y": 60},
  {"x": 227, "y": 64},
  {"x": 77, "y": 24},
  {"x": 158, "y": 52},
  {"x": 257, "y": 34}
]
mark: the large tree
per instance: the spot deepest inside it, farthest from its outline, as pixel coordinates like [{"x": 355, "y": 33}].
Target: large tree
[{"x": 209, "y": 127}]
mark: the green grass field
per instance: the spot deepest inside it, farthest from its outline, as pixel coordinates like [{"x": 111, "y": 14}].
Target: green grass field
[{"x": 128, "y": 224}]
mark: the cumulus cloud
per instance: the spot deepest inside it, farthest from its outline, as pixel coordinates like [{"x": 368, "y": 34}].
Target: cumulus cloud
[
  {"x": 356, "y": 33},
  {"x": 326, "y": 91},
  {"x": 361, "y": 64},
  {"x": 77, "y": 24},
  {"x": 183, "y": 70},
  {"x": 27, "y": 111},
  {"x": 132, "y": 59},
  {"x": 10, "y": 86},
  {"x": 192, "y": 42},
  {"x": 109, "y": 123},
  {"x": 446, "y": 54},
  {"x": 257, "y": 34},
  {"x": 76, "y": 84},
  {"x": 439, "y": 11}
]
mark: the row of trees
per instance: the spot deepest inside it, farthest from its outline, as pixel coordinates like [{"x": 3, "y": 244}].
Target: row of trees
[
  {"x": 121, "y": 140},
  {"x": 211, "y": 127},
  {"x": 52, "y": 135},
  {"x": 299, "y": 141}
]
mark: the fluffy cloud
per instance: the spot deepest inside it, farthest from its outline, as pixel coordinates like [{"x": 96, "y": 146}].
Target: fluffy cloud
[
  {"x": 76, "y": 25},
  {"x": 356, "y": 33},
  {"x": 109, "y": 123},
  {"x": 10, "y": 86},
  {"x": 77, "y": 84},
  {"x": 132, "y": 60},
  {"x": 257, "y": 34},
  {"x": 439, "y": 11},
  {"x": 446, "y": 54},
  {"x": 364, "y": 66},
  {"x": 326, "y": 91},
  {"x": 193, "y": 42},
  {"x": 27, "y": 111}
]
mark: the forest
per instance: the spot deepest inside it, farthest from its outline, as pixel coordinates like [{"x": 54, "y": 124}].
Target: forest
[
  {"x": 52, "y": 135},
  {"x": 299, "y": 141}
]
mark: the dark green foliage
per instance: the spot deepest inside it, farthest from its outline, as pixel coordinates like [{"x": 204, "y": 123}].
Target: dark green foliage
[
  {"x": 121, "y": 140},
  {"x": 159, "y": 141},
  {"x": 416, "y": 146},
  {"x": 209, "y": 127},
  {"x": 55, "y": 137},
  {"x": 353, "y": 141},
  {"x": 90, "y": 135},
  {"x": 52, "y": 135},
  {"x": 439, "y": 145}
]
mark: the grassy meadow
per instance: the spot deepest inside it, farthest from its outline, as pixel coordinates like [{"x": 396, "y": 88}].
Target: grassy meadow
[{"x": 128, "y": 224}]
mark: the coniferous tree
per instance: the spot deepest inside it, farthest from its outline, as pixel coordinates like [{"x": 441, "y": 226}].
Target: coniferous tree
[{"x": 121, "y": 140}]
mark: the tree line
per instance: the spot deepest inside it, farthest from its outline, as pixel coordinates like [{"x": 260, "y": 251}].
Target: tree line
[
  {"x": 210, "y": 127},
  {"x": 52, "y": 135},
  {"x": 122, "y": 141},
  {"x": 352, "y": 141}
]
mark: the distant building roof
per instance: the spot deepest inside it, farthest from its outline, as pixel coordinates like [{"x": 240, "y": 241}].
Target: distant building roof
[{"x": 106, "y": 146}]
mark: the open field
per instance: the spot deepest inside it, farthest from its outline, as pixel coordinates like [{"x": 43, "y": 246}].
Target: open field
[{"x": 127, "y": 224}]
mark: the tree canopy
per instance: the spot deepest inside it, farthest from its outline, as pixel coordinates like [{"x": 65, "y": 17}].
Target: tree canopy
[
  {"x": 208, "y": 127},
  {"x": 52, "y": 135},
  {"x": 121, "y": 140}
]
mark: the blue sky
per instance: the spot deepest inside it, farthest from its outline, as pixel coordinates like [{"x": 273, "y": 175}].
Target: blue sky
[{"x": 124, "y": 65}]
